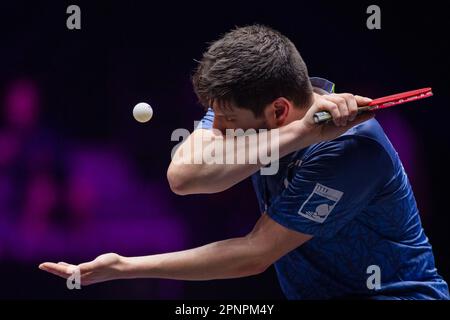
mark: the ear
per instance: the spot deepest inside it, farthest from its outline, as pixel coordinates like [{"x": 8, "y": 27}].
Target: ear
[{"x": 281, "y": 109}]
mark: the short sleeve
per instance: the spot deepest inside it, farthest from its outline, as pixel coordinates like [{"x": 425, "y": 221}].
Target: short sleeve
[
  {"x": 207, "y": 121},
  {"x": 333, "y": 184}
]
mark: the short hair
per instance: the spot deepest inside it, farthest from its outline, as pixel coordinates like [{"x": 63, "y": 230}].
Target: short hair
[{"x": 249, "y": 67}]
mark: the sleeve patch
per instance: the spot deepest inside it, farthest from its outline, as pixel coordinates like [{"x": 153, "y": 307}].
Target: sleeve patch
[{"x": 320, "y": 203}]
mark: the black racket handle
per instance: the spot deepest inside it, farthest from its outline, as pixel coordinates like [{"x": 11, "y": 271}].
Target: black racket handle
[{"x": 325, "y": 116}]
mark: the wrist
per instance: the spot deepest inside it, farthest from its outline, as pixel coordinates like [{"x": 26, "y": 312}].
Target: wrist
[
  {"x": 302, "y": 135},
  {"x": 135, "y": 267},
  {"x": 124, "y": 268}
]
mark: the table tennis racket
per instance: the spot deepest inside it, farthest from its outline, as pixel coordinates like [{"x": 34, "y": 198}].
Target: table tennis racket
[{"x": 382, "y": 103}]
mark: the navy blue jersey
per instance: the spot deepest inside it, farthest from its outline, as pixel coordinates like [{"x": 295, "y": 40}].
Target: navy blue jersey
[{"x": 353, "y": 195}]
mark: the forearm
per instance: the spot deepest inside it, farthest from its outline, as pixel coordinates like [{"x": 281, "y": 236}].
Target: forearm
[
  {"x": 231, "y": 258},
  {"x": 188, "y": 177}
]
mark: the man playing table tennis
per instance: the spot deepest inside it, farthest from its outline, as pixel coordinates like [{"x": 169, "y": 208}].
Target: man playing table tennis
[{"x": 339, "y": 218}]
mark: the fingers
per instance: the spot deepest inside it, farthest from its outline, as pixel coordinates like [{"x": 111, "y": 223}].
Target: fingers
[
  {"x": 340, "y": 101},
  {"x": 332, "y": 108},
  {"x": 362, "y": 101},
  {"x": 347, "y": 105},
  {"x": 87, "y": 266},
  {"x": 352, "y": 106},
  {"x": 61, "y": 270}
]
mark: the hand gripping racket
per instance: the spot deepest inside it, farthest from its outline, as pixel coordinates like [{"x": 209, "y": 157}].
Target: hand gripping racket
[{"x": 382, "y": 103}]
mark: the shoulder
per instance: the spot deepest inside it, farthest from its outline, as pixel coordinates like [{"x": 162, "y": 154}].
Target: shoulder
[{"x": 364, "y": 147}]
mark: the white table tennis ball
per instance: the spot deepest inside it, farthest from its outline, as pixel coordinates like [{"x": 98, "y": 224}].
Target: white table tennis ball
[{"x": 142, "y": 112}]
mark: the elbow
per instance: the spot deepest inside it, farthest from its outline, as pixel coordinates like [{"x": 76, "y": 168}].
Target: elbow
[
  {"x": 185, "y": 183},
  {"x": 257, "y": 266},
  {"x": 254, "y": 269},
  {"x": 260, "y": 268},
  {"x": 261, "y": 256},
  {"x": 177, "y": 183}
]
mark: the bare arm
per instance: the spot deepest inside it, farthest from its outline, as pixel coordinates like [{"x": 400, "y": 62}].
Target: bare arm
[
  {"x": 187, "y": 178},
  {"x": 232, "y": 258}
]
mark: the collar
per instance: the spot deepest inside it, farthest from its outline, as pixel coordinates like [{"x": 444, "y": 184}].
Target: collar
[{"x": 323, "y": 84}]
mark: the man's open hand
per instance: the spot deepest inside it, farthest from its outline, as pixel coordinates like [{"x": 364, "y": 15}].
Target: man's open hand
[{"x": 103, "y": 268}]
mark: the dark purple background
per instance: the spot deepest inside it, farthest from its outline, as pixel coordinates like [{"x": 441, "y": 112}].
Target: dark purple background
[{"x": 80, "y": 177}]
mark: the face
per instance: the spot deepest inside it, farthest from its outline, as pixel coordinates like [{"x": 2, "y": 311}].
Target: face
[
  {"x": 275, "y": 114},
  {"x": 236, "y": 118}
]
